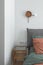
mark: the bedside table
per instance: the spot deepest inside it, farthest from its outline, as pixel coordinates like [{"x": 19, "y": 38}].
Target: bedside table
[{"x": 19, "y": 54}]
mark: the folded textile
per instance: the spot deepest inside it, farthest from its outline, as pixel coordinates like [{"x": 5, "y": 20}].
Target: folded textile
[{"x": 33, "y": 58}]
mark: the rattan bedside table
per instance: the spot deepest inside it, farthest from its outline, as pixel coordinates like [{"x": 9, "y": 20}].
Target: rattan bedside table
[{"x": 19, "y": 54}]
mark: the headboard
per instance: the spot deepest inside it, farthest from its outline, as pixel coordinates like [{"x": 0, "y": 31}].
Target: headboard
[{"x": 30, "y": 32}]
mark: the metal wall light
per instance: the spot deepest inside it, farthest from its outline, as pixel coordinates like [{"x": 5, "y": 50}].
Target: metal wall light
[{"x": 29, "y": 14}]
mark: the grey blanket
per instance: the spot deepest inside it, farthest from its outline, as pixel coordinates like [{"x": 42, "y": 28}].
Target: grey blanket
[{"x": 33, "y": 59}]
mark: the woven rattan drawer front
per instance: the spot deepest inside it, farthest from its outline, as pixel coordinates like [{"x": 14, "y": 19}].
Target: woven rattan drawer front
[
  {"x": 19, "y": 54},
  {"x": 21, "y": 51}
]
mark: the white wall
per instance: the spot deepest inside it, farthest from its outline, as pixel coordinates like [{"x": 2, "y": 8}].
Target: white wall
[
  {"x": 35, "y": 6},
  {"x": 9, "y": 29}
]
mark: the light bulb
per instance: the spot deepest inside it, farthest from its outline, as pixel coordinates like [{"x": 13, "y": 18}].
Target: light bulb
[{"x": 35, "y": 14}]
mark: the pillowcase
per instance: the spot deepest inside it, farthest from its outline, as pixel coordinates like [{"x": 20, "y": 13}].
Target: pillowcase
[{"x": 38, "y": 44}]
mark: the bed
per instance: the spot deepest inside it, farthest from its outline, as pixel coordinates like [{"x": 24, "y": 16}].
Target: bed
[
  {"x": 30, "y": 33},
  {"x": 32, "y": 57}
]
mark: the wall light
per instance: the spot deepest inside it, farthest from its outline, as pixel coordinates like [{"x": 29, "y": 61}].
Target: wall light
[{"x": 29, "y": 14}]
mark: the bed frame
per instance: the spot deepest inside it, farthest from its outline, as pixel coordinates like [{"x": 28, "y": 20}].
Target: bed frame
[{"x": 30, "y": 32}]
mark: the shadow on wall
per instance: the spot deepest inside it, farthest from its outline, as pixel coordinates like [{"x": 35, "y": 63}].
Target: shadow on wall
[
  {"x": 22, "y": 36},
  {"x": 10, "y": 59}
]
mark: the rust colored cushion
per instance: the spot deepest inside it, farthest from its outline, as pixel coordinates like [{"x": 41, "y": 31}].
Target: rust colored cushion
[
  {"x": 39, "y": 64},
  {"x": 38, "y": 45}
]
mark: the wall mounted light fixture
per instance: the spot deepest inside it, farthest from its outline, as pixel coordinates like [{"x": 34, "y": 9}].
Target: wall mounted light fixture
[{"x": 29, "y": 14}]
